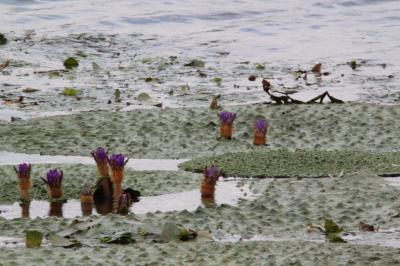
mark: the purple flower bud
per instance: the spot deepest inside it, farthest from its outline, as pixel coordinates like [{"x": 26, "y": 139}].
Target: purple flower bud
[
  {"x": 54, "y": 178},
  {"x": 117, "y": 161},
  {"x": 24, "y": 170},
  {"x": 227, "y": 118},
  {"x": 100, "y": 155},
  {"x": 211, "y": 175},
  {"x": 212, "y": 171},
  {"x": 261, "y": 126}
]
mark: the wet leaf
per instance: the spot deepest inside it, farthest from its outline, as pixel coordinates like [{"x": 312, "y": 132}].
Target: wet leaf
[
  {"x": 217, "y": 81},
  {"x": 117, "y": 95},
  {"x": 331, "y": 227},
  {"x": 30, "y": 90},
  {"x": 195, "y": 63},
  {"x": 96, "y": 67},
  {"x": 71, "y": 63},
  {"x": 260, "y": 67},
  {"x": 335, "y": 238},
  {"x": 353, "y": 64},
  {"x": 152, "y": 79},
  {"x": 143, "y": 97},
  {"x": 33, "y": 239},
  {"x": 317, "y": 68},
  {"x": 252, "y": 78}
]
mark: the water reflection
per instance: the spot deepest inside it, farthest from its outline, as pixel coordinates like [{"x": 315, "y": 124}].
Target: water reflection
[
  {"x": 25, "y": 205},
  {"x": 56, "y": 209},
  {"x": 227, "y": 192}
]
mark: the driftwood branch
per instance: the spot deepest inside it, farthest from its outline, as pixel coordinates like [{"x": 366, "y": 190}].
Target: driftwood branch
[{"x": 286, "y": 99}]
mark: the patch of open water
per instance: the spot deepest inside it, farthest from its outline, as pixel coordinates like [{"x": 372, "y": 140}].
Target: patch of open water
[
  {"x": 228, "y": 191},
  {"x": 11, "y": 158}
]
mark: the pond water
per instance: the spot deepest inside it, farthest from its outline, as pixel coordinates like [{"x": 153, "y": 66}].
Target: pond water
[
  {"x": 11, "y": 158},
  {"x": 227, "y": 192},
  {"x": 135, "y": 50}
]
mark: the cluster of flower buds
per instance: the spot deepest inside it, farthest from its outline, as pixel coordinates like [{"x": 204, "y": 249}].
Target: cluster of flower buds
[
  {"x": 227, "y": 118},
  {"x": 23, "y": 171},
  {"x": 54, "y": 178}
]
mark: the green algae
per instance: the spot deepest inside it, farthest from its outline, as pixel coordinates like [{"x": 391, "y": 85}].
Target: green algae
[
  {"x": 190, "y": 132},
  {"x": 149, "y": 183},
  {"x": 299, "y": 163}
]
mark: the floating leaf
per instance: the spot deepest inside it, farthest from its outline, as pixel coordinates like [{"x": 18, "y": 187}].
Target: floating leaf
[
  {"x": 335, "y": 238},
  {"x": 143, "y": 97},
  {"x": 331, "y": 227},
  {"x": 70, "y": 63},
  {"x": 30, "y": 90},
  {"x": 152, "y": 79},
  {"x": 260, "y": 67},
  {"x": 33, "y": 239},
  {"x": 170, "y": 231},
  {"x": 70, "y": 92},
  {"x": 3, "y": 39},
  {"x": 353, "y": 64},
  {"x": 217, "y": 81},
  {"x": 96, "y": 67},
  {"x": 117, "y": 95},
  {"x": 195, "y": 63}
]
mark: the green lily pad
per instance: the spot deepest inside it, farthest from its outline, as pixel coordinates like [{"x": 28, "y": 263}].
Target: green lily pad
[
  {"x": 71, "y": 63},
  {"x": 298, "y": 163}
]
